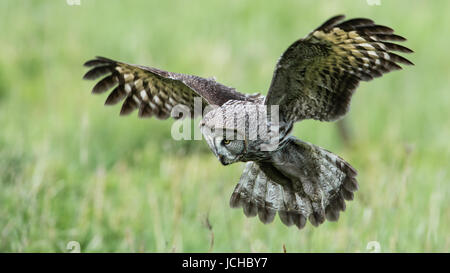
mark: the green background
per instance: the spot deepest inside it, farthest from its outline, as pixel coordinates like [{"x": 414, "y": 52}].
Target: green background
[{"x": 73, "y": 170}]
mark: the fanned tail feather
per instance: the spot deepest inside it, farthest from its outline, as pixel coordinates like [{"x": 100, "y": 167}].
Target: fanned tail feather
[{"x": 258, "y": 194}]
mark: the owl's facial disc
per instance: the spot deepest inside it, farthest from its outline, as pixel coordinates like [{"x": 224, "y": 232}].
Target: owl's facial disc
[
  {"x": 228, "y": 151},
  {"x": 225, "y": 144}
]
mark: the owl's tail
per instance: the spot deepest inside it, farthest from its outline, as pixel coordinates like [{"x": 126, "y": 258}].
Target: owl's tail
[{"x": 316, "y": 190}]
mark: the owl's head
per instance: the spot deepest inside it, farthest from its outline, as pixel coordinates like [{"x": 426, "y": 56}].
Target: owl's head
[{"x": 236, "y": 131}]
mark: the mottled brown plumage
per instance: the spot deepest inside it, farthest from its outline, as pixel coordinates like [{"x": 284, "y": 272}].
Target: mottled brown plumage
[
  {"x": 314, "y": 79},
  {"x": 316, "y": 76},
  {"x": 153, "y": 91}
]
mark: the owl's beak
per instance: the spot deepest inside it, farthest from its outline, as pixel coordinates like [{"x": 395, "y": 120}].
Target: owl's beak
[{"x": 222, "y": 160}]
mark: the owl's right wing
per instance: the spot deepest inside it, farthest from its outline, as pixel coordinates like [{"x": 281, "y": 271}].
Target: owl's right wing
[{"x": 153, "y": 91}]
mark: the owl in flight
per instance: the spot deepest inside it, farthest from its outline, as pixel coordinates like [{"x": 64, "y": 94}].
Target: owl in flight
[{"x": 313, "y": 79}]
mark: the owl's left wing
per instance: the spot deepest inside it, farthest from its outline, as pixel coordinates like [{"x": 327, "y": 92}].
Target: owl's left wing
[
  {"x": 316, "y": 76},
  {"x": 154, "y": 91}
]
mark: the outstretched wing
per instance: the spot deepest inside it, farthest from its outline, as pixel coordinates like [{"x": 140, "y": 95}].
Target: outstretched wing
[
  {"x": 316, "y": 76},
  {"x": 153, "y": 91}
]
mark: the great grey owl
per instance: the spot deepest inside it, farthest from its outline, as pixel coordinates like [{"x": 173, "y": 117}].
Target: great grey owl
[{"x": 313, "y": 79}]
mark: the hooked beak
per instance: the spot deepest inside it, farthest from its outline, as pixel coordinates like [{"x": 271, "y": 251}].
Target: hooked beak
[{"x": 222, "y": 160}]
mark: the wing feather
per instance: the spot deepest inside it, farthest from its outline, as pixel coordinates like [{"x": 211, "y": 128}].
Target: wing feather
[
  {"x": 153, "y": 91},
  {"x": 316, "y": 76}
]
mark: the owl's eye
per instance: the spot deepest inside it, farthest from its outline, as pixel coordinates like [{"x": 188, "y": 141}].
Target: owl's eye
[{"x": 226, "y": 141}]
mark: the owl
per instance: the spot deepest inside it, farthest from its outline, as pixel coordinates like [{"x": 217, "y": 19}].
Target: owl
[{"x": 313, "y": 79}]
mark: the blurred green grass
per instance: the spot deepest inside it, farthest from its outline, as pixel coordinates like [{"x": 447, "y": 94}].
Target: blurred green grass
[{"x": 73, "y": 170}]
